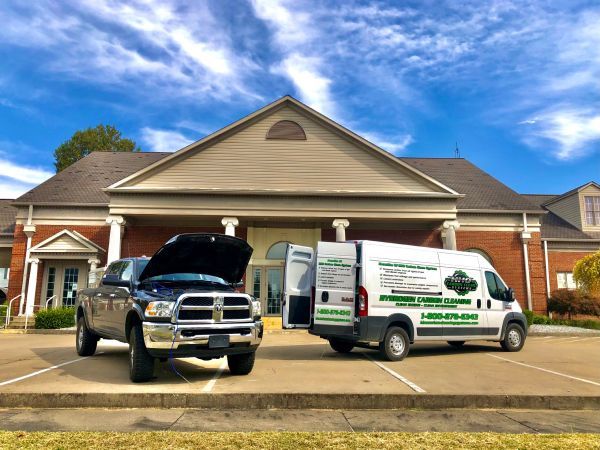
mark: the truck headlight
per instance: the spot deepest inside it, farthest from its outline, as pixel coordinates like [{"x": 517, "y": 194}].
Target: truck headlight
[
  {"x": 159, "y": 309},
  {"x": 256, "y": 308}
]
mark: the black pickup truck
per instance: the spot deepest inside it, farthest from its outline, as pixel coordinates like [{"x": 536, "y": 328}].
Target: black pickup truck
[{"x": 181, "y": 302}]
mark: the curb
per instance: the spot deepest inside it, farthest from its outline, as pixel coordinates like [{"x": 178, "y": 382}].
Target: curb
[
  {"x": 261, "y": 401},
  {"x": 34, "y": 331},
  {"x": 571, "y": 334}
]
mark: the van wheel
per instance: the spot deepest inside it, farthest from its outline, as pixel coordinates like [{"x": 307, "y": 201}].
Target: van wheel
[
  {"x": 456, "y": 344},
  {"x": 395, "y": 344},
  {"x": 241, "y": 364},
  {"x": 141, "y": 364},
  {"x": 341, "y": 346},
  {"x": 86, "y": 341},
  {"x": 514, "y": 338}
]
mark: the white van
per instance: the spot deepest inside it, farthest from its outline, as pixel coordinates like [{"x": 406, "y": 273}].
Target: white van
[{"x": 357, "y": 294}]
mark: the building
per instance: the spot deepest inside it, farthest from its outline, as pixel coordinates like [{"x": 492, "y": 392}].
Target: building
[
  {"x": 7, "y": 230},
  {"x": 284, "y": 173}
]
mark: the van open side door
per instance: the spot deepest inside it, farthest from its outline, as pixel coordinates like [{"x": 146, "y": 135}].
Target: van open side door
[{"x": 297, "y": 287}]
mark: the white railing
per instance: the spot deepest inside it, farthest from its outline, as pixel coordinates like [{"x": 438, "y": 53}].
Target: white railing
[
  {"x": 9, "y": 309},
  {"x": 49, "y": 299}
]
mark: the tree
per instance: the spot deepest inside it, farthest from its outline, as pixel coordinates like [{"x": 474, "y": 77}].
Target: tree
[
  {"x": 587, "y": 274},
  {"x": 102, "y": 138}
]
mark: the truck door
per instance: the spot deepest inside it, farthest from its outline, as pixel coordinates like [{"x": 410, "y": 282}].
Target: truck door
[
  {"x": 297, "y": 286},
  {"x": 335, "y": 287}
]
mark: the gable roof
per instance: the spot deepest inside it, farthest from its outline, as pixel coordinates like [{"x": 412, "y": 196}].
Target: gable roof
[
  {"x": 166, "y": 164},
  {"x": 8, "y": 216},
  {"x": 481, "y": 190},
  {"x": 90, "y": 175},
  {"x": 67, "y": 241},
  {"x": 571, "y": 192},
  {"x": 553, "y": 226}
]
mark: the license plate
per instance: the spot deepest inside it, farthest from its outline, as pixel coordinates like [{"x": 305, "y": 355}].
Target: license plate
[{"x": 218, "y": 341}]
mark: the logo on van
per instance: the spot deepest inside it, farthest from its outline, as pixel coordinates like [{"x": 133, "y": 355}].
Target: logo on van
[{"x": 461, "y": 283}]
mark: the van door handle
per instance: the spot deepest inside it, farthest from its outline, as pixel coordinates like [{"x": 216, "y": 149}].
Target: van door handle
[
  {"x": 489, "y": 304},
  {"x": 112, "y": 295},
  {"x": 478, "y": 303}
]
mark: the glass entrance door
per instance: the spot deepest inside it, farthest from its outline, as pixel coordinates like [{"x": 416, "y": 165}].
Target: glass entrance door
[
  {"x": 274, "y": 286},
  {"x": 62, "y": 280},
  {"x": 70, "y": 285}
]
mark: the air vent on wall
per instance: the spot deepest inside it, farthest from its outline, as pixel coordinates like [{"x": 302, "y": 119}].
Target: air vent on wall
[{"x": 286, "y": 129}]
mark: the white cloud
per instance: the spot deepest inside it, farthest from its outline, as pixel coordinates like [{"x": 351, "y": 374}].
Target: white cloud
[
  {"x": 574, "y": 131},
  {"x": 163, "y": 140},
  {"x": 393, "y": 144},
  {"x": 23, "y": 174}
]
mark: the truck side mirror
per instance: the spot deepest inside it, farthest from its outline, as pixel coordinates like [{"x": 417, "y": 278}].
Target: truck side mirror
[{"x": 509, "y": 295}]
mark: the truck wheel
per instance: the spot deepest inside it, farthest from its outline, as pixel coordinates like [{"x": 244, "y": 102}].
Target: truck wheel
[
  {"x": 241, "y": 364},
  {"x": 341, "y": 346},
  {"x": 456, "y": 344},
  {"x": 514, "y": 338},
  {"x": 141, "y": 364},
  {"x": 395, "y": 344},
  {"x": 86, "y": 341}
]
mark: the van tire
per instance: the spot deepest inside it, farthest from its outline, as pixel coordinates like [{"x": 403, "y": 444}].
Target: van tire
[
  {"x": 456, "y": 344},
  {"x": 395, "y": 344},
  {"x": 341, "y": 346},
  {"x": 141, "y": 364},
  {"x": 85, "y": 341},
  {"x": 514, "y": 338},
  {"x": 241, "y": 364}
]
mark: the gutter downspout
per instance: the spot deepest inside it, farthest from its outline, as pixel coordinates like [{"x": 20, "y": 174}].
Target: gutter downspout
[
  {"x": 26, "y": 263},
  {"x": 547, "y": 269},
  {"x": 525, "y": 236}
]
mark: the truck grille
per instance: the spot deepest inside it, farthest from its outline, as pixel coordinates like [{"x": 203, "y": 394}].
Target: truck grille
[{"x": 214, "y": 308}]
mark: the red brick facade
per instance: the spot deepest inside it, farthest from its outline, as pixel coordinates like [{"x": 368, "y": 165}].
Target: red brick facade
[{"x": 561, "y": 262}]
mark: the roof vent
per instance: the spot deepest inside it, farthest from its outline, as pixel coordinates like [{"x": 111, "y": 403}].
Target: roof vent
[{"x": 286, "y": 129}]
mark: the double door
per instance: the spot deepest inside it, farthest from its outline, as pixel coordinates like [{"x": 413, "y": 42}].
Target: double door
[
  {"x": 267, "y": 285},
  {"x": 62, "y": 280}
]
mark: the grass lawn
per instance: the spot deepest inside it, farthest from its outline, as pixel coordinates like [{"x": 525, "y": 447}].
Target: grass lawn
[{"x": 288, "y": 440}]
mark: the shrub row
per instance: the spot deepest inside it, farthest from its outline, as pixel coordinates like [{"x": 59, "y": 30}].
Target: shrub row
[
  {"x": 55, "y": 318},
  {"x": 545, "y": 320},
  {"x": 571, "y": 301}
]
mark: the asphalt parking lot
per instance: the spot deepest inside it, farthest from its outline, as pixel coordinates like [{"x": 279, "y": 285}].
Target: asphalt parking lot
[{"x": 301, "y": 363}]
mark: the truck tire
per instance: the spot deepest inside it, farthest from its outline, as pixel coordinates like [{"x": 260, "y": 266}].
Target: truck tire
[
  {"x": 85, "y": 341},
  {"x": 456, "y": 344},
  {"x": 341, "y": 346},
  {"x": 514, "y": 338},
  {"x": 395, "y": 344},
  {"x": 241, "y": 364},
  {"x": 141, "y": 364}
]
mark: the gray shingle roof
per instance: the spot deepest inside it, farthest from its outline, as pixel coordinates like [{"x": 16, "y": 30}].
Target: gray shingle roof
[
  {"x": 83, "y": 181},
  {"x": 553, "y": 227},
  {"x": 8, "y": 215},
  {"x": 482, "y": 191}
]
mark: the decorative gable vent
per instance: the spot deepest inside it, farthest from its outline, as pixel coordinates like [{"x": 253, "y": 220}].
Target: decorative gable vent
[{"x": 286, "y": 129}]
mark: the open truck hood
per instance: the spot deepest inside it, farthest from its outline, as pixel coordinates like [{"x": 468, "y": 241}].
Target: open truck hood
[{"x": 213, "y": 254}]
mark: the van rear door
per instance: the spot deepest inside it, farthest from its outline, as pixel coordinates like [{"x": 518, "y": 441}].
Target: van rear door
[
  {"x": 297, "y": 286},
  {"x": 335, "y": 288}
]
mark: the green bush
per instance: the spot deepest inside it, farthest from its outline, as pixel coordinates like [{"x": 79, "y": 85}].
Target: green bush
[
  {"x": 55, "y": 318},
  {"x": 529, "y": 315}
]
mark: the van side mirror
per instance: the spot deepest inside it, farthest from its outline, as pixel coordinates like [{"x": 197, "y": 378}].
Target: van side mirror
[{"x": 509, "y": 295}]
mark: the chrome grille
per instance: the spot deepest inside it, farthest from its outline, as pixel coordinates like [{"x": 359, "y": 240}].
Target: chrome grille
[{"x": 214, "y": 308}]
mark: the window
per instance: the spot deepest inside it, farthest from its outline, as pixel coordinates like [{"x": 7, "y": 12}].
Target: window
[
  {"x": 496, "y": 288},
  {"x": 592, "y": 210},
  {"x": 565, "y": 280},
  {"x": 480, "y": 252},
  {"x": 277, "y": 251},
  {"x": 126, "y": 271},
  {"x": 51, "y": 282},
  {"x": 286, "y": 129},
  {"x": 256, "y": 282}
]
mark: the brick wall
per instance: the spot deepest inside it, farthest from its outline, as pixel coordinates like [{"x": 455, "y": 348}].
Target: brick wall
[
  {"x": 562, "y": 262},
  {"x": 506, "y": 251},
  {"x": 96, "y": 234},
  {"x": 424, "y": 238}
]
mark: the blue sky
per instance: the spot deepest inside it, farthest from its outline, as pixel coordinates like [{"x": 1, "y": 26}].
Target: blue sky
[{"x": 516, "y": 85}]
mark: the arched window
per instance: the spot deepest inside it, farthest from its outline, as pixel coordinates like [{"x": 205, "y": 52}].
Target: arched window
[
  {"x": 277, "y": 251},
  {"x": 286, "y": 129},
  {"x": 487, "y": 257}
]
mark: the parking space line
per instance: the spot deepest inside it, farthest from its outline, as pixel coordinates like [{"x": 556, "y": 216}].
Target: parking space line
[
  {"x": 396, "y": 375},
  {"x": 211, "y": 383},
  {"x": 586, "y": 339},
  {"x": 47, "y": 369},
  {"x": 545, "y": 370}
]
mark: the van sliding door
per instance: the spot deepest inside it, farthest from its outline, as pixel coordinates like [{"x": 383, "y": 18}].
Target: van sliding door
[{"x": 297, "y": 286}]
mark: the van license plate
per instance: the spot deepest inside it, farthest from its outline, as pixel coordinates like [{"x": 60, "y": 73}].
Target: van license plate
[{"x": 218, "y": 341}]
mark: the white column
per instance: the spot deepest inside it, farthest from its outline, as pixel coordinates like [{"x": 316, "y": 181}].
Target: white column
[
  {"x": 29, "y": 230},
  {"x": 93, "y": 267},
  {"x": 230, "y": 223},
  {"x": 340, "y": 226},
  {"x": 449, "y": 228},
  {"x": 114, "y": 241},
  {"x": 31, "y": 286}
]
